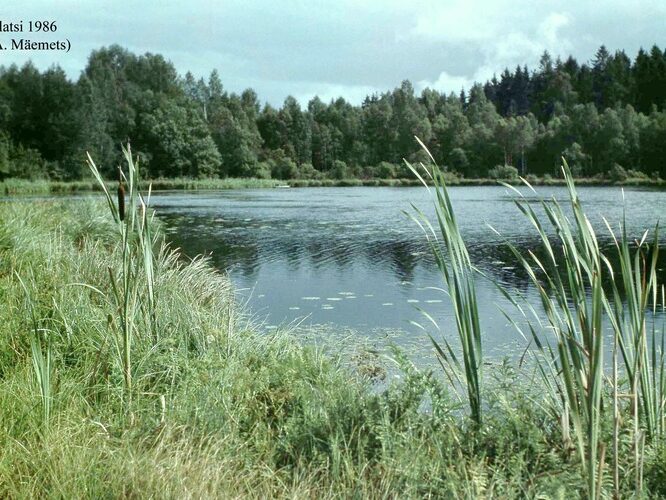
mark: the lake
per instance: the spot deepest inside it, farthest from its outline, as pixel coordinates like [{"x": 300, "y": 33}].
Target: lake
[{"x": 349, "y": 259}]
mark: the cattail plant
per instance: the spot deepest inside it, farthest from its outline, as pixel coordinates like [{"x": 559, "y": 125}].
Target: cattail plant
[
  {"x": 634, "y": 293},
  {"x": 121, "y": 195},
  {"x": 132, "y": 283}
]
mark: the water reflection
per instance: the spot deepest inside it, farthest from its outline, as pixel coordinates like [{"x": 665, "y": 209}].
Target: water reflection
[
  {"x": 291, "y": 245},
  {"x": 238, "y": 246}
]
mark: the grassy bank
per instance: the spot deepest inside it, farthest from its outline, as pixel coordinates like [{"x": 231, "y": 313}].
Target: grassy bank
[
  {"x": 18, "y": 186},
  {"x": 127, "y": 372},
  {"x": 22, "y": 187}
]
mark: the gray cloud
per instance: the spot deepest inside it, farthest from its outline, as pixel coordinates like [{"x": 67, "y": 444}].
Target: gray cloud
[{"x": 345, "y": 47}]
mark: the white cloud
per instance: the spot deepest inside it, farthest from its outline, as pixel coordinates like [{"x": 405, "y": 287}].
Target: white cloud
[
  {"x": 446, "y": 83},
  {"x": 354, "y": 94},
  {"x": 500, "y": 48},
  {"x": 458, "y": 21},
  {"x": 550, "y": 27},
  {"x": 344, "y": 47}
]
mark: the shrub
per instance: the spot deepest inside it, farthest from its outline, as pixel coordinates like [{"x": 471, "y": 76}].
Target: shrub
[
  {"x": 259, "y": 170},
  {"x": 386, "y": 170},
  {"x": 457, "y": 160},
  {"x": 307, "y": 171},
  {"x": 617, "y": 173},
  {"x": 503, "y": 172},
  {"x": 339, "y": 170},
  {"x": 637, "y": 174},
  {"x": 284, "y": 168}
]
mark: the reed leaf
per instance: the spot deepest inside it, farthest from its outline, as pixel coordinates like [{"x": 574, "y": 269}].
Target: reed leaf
[{"x": 452, "y": 259}]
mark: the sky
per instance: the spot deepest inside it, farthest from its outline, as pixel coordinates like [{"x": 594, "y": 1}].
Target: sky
[{"x": 348, "y": 48}]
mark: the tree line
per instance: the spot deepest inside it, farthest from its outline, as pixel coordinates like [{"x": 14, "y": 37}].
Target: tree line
[{"x": 606, "y": 117}]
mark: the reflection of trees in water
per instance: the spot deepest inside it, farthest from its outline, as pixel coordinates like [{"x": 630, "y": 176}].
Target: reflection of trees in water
[
  {"x": 225, "y": 251},
  {"x": 403, "y": 259},
  {"x": 243, "y": 246},
  {"x": 511, "y": 273}
]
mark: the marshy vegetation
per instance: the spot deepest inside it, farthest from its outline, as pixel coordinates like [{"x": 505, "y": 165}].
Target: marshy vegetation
[
  {"x": 13, "y": 187},
  {"x": 126, "y": 370}
]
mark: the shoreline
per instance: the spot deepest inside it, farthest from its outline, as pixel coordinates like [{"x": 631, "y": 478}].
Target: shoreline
[
  {"x": 14, "y": 187},
  {"x": 217, "y": 408}
]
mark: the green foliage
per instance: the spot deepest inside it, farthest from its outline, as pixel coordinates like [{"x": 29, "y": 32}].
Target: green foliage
[
  {"x": 283, "y": 167},
  {"x": 339, "y": 170},
  {"x": 176, "y": 142},
  {"x": 133, "y": 281},
  {"x": 503, "y": 172},
  {"x": 617, "y": 173},
  {"x": 594, "y": 114},
  {"x": 258, "y": 170},
  {"x": 457, "y": 160},
  {"x": 222, "y": 410},
  {"x": 569, "y": 277},
  {"x": 307, "y": 171},
  {"x": 386, "y": 170},
  {"x": 457, "y": 272},
  {"x": 575, "y": 158}
]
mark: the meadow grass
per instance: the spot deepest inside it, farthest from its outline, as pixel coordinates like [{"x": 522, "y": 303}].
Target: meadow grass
[
  {"x": 17, "y": 187},
  {"x": 189, "y": 401}
]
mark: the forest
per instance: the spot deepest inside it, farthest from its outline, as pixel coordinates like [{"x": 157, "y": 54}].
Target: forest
[{"x": 606, "y": 117}]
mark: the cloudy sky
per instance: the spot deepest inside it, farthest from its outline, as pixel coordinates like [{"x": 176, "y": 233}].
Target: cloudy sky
[{"x": 340, "y": 47}]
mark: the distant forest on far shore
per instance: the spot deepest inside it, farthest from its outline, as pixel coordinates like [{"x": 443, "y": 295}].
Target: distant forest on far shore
[{"x": 607, "y": 117}]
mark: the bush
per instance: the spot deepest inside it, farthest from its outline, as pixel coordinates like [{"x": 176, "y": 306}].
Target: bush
[
  {"x": 617, "y": 173},
  {"x": 284, "y": 168},
  {"x": 386, "y": 170},
  {"x": 419, "y": 156},
  {"x": 575, "y": 158},
  {"x": 457, "y": 160},
  {"x": 503, "y": 172},
  {"x": 637, "y": 174},
  {"x": 259, "y": 170},
  {"x": 339, "y": 170},
  {"x": 307, "y": 171}
]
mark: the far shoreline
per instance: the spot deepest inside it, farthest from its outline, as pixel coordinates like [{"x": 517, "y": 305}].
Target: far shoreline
[{"x": 14, "y": 187}]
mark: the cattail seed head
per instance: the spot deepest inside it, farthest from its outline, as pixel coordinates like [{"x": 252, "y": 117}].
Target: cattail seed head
[{"x": 121, "y": 201}]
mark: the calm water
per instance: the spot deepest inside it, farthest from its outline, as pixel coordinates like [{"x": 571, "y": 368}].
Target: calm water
[{"x": 350, "y": 258}]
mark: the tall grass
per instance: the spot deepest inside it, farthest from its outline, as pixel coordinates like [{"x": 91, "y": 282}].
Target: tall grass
[
  {"x": 133, "y": 288},
  {"x": 568, "y": 280},
  {"x": 457, "y": 271},
  {"x": 568, "y": 271},
  {"x": 634, "y": 293},
  {"x": 40, "y": 347}
]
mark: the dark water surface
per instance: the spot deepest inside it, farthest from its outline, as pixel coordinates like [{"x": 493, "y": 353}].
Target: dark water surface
[{"x": 350, "y": 258}]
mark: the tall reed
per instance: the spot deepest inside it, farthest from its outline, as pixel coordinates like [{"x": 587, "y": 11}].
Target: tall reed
[
  {"x": 457, "y": 271},
  {"x": 132, "y": 284},
  {"x": 568, "y": 280},
  {"x": 634, "y": 293}
]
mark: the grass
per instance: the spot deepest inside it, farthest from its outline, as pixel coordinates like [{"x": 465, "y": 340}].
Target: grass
[
  {"x": 207, "y": 407},
  {"x": 577, "y": 306},
  {"x": 15, "y": 187},
  {"x": 458, "y": 273},
  {"x": 569, "y": 281}
]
